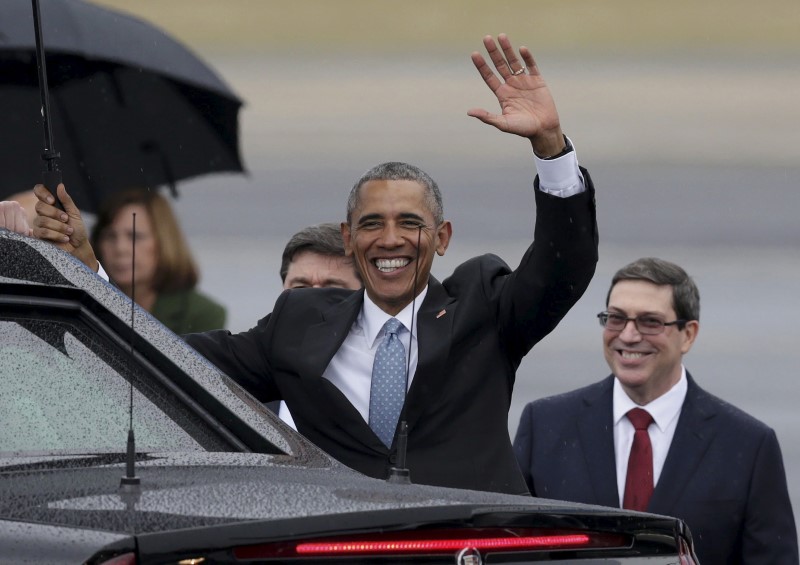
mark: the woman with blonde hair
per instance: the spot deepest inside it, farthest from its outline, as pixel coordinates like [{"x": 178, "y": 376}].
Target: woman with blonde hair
[{"x": 166, "y": 274}]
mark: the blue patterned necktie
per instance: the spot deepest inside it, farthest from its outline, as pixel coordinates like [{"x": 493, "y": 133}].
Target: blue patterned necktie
[{"x": 388, "y": 388}]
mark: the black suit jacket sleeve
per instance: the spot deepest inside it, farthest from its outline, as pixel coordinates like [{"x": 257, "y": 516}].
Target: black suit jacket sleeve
[
  {"x": 536, "y": 304},
  {"x": 241, "y": 356},
  {"x": 770, "y": 534},
  {"x": 552, "y": 275},
  {"x": 523, "y": 446}
]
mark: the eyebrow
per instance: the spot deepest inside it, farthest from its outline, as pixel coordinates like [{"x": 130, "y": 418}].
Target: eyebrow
[
  {"x": 369, "y": 217},
  {"x": 307, "y": 281},
  {"x": 617, "y": 310},
  {"x": 402, "y": 216}
]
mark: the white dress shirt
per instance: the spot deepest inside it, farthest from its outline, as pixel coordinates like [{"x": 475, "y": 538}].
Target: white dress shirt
[
  {"x": 665, "y": 411},
  {"x": 351, "y": 368}
]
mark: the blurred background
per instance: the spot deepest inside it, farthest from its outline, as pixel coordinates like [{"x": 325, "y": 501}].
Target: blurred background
[{"x": 685, "y": 113}]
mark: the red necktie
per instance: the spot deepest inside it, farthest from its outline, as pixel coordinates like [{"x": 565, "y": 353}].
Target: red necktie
[{"x": 639, "y": 480}]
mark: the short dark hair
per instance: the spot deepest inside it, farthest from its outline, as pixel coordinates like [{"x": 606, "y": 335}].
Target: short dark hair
[
  {"x": 395, "y": 170},
  {"x": 323, "y": 239},
  {"x": 685, "y": 296}
]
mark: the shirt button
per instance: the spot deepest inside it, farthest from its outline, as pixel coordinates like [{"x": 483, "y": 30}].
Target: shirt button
[{"x": 392, "y": 458}]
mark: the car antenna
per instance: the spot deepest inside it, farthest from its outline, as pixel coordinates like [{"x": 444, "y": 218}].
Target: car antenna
[
  {"x": 400, "y": 474},
  {"x": 130, "y": 482}
]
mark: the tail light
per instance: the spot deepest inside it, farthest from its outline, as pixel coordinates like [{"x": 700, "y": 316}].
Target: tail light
[
  {"x": 124, "y": 559},
  {"x": 686, "y": 553},
  {"x": 432, "y": 543}
]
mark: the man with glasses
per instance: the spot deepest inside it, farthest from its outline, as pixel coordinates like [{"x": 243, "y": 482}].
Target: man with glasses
[{"x": 649, "y": 438}]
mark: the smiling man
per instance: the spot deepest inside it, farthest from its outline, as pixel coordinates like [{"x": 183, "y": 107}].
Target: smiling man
[
  {"x": 394, "y": 228},
  {"x": 692, "y": 456},
  {"x": 439, "y": 356}
]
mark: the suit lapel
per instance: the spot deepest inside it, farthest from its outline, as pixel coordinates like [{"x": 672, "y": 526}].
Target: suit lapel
[
  {"x": 434, "y": 337},
  {"x": 323, "y": 340},
  {"x": 596, "y": 429},
  {"x": 320, "y": 344},
  {"x": 693, "y": 435}
]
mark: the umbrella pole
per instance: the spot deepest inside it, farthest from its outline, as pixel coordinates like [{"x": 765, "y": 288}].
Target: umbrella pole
[{"x": 51, "y": 177}]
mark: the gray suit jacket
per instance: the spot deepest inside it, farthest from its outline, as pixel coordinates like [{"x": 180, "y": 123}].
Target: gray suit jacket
[
  {"x": 457, "y": 406},
  {"x": 723, "y": 475}
]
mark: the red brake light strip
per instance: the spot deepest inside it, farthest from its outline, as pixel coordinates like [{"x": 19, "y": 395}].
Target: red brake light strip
[{"x": 435, "y": 545}]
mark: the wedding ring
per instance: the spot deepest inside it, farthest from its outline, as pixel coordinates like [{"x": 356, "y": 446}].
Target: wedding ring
[{"x": 517, "y": 73}]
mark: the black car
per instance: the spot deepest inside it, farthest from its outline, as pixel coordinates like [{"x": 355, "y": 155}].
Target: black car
[{"x": 214, "y": 477}]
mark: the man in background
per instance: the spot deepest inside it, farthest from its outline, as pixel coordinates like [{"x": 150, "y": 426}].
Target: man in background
[
  {"x": 649, "y": 438},
  {"x": 314, "y": 257}
]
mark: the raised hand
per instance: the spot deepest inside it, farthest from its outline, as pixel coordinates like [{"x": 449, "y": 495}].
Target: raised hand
[
  {"x": 527, "y": 107},
  {"x": 63, "y": 228}
]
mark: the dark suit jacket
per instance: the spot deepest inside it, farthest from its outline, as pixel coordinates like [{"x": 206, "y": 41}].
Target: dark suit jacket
[
  {"x": 723, "y": 474},
  {"x": 457, "y": 405}
]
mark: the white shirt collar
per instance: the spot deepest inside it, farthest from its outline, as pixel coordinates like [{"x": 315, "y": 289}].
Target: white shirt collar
[
  {"x": 663, "y": 409},
  {"x": 372, "y": 318}
]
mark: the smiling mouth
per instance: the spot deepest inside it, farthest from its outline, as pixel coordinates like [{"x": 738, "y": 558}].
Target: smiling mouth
[
  {"x": 632, "y": 354},
  {"x": 389, "y": 265}
]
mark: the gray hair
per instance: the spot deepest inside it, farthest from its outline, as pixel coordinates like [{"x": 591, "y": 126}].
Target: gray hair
[
  {"x": 323, "y": 239},
  {"x": 685, "y": 296},
  {"x": 395, "y": 170}
]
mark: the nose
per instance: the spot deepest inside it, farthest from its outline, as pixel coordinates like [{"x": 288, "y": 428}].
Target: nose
[
  {"x": 630, "y": 332},
  {"x": 391, "y": 236},
  {"x": 122, "y": 244}
]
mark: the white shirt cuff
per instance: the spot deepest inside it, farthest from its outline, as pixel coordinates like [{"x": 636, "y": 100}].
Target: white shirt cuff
[
  {"x": 560, "y": 177},
  {"x": 101, "y": 272}
]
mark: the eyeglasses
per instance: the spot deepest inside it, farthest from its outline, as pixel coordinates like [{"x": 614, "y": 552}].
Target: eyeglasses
[{"x": 645, "y": 324}]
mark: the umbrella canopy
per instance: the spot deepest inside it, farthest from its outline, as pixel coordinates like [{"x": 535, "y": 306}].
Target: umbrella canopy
[{"x": 129, "y": 105}]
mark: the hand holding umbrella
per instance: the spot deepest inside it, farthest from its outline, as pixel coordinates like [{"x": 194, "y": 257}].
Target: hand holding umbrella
[
  {"x": 129, "y": 106},
  {"x": 65, "y": 228}
]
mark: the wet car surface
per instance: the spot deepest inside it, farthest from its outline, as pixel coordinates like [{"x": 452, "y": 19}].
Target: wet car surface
[{"x": 218, "y": 478}]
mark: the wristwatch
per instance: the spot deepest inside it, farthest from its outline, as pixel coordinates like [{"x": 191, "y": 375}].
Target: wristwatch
[{"x": 567, "y": 148}]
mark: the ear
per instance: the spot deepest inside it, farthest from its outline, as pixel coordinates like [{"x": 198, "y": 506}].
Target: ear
[
  {"x": 690, "y": 331},
  {"x": 443, "y": 234},
  {"x": 346, "y": 239}
]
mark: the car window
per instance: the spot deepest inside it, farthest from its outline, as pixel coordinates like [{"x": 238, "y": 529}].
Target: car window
[{"x": 65, "y": 388}]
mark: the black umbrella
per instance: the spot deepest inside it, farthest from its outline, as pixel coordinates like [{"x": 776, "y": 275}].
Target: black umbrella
[{"x": 129, "y": 105}]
